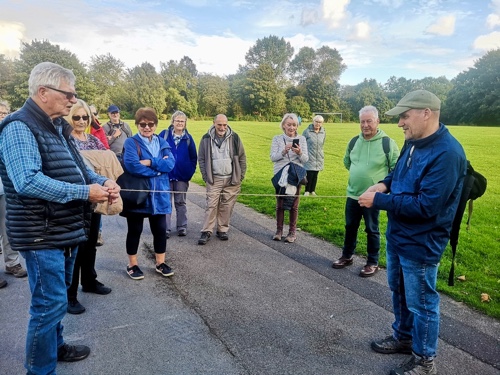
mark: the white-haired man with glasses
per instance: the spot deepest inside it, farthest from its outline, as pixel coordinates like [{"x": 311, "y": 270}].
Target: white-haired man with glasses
[{"x": 49, "y": 190}]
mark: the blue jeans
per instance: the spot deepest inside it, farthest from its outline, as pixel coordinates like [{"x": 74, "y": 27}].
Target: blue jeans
[
  {"x": 353, "y": 214},
  {"x": 49, "y": 274},
  {"x": 415, "y": 302}
]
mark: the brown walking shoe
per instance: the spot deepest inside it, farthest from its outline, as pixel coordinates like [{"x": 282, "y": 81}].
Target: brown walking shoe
[
  {"x": 17, "y": 270},
  {"x": 291, "y": 237},
  {"x": 342, "y": 262},
  {"x": 368, "y": 270}
]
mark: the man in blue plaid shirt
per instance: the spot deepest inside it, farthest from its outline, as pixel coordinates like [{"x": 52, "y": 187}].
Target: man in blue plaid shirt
[{"x": 49, "y": 192}]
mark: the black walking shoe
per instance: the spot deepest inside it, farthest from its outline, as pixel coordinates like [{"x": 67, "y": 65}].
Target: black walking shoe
[
  {"x": 222, "y": 236},
  {"x": 98, "y": 288},
  {"x": 415, "y": 365},
  {"x": 72, "y": 353},
  {"x": 390, "y": 345},
  {"x": 75, "y": 307},
  {"x": 205, "y": 237}
]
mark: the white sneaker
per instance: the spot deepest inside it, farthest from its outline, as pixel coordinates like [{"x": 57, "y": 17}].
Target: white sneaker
[
  {"x": 313, "y": 193},
  {"x": 306, "y": 194}
]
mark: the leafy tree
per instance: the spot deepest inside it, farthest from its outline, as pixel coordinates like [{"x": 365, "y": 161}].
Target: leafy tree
[
  {"x": 108, "y": 74},
  {"x": 298, "y": 105},
  {"x": 395, "y": 88},
  {"x": 303, "y": 65},
  {"x": 271, "y": 51},
  {"x": 239, "y": 103},
  {"x": 368, "y": 92},
  {"x": 6, "y": 78},
  {"x": 181, "y": 85},
  {"x": 265, "y": 96},
  {"x": 475, "y": 97},
  {"x": 439, "y": 86},
  {"x": 213, "y": 92},
  {"x": 39, "y": 51},
  {"x": 321, "y": 96},
  {"x": 147, "y": 88},
  {"x": 325, "y": 63}
]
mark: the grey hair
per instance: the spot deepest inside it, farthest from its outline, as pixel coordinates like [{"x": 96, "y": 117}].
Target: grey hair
[
  {"x": 368, "y": 109},
  {"x": 293, "y": 116},
  {"x": 5, "y": 103},
  {"x": 178, "y": 114},
  {"x": 49, "y": 74},
  {"x": 319, "y": 118}
]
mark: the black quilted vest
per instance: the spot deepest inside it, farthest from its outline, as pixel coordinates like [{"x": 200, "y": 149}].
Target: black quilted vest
[{"x": 34, "y": 223}]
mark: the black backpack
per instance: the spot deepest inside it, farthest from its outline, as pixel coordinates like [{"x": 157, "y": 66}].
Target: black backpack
[{"x": 474, "y": 187}]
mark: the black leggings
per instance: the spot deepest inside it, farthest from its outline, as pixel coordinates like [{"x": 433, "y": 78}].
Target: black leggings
[
  {"x": 312, "y": 179},
  {"x": 158, "y": 225}
]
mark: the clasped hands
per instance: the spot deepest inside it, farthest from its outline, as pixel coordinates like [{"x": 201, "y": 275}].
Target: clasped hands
[{"x": 110, "y": 192}]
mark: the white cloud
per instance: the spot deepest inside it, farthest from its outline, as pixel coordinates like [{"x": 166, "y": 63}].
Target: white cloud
[
  {"x": 488, "y": 41},
  {"x": 493, "y": 20},
  {"x": 444, "y": 26},
  {"x": 309, "y": 17},
  {"x": 334, "y": 11},
  {"x": 11, "y": 35},
  {"x": 362, "y": 30}
]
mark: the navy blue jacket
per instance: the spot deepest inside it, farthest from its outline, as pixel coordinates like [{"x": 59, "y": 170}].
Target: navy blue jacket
[
  {"x": 184, "y": 154},
  {"x": 33, "y": 223},
  {"x": 425, "y": 188}
]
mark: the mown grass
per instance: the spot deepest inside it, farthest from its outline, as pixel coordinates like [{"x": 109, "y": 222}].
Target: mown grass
[{"x": 478, "y": 254}]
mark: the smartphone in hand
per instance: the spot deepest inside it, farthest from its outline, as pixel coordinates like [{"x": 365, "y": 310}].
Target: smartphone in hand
[{"x": 295, "y": 143}]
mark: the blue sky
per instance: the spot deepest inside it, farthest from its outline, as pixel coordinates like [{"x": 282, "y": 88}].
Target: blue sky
[{"x": 376, "y": 38}]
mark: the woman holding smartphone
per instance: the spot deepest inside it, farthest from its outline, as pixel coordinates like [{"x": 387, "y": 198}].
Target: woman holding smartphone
[{"x": 288, "y": 153}]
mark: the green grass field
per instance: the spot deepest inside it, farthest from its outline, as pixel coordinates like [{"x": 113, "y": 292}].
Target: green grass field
[{"x": 478, "y": 254}]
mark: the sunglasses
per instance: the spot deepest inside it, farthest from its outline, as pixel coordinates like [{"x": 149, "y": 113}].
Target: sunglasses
[
  {"x": 69, "y": 95},
  {"x": 77, "y": 118},
  {"x": 144, "y": 124},
  {"x": 95, "y": 113}
]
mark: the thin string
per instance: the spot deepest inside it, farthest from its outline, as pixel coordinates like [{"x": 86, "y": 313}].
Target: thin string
[{"x": 240, "y": 194}]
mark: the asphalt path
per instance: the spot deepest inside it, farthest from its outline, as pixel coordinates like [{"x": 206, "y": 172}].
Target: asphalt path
[{"x": 248, "y": 305}]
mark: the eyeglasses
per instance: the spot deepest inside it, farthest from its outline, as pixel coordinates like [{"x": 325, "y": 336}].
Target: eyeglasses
[
  {"x": 95, "y": 113},
  {"x": 179, "y": 121},
  {"x": 69, "y": 95},
  {"x": 4, "y": 113},
  {"x": 115, "y": 113},
  {"x": 77, "y": 118},
  {"x": 144, "y": 124}
]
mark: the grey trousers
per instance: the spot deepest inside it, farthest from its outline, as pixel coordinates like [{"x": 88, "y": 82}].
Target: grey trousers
[
  {"x": 178, "y": 200},
  {"x": 11, "y": 257}
]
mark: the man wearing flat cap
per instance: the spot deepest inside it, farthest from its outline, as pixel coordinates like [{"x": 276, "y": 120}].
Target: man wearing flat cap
[
  {"x": 116, "y": 131},
  {"x": 424, "y": 188}
]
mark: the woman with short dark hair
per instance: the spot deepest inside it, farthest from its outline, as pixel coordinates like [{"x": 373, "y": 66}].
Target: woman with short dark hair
[{"x": 147, "y": 155}]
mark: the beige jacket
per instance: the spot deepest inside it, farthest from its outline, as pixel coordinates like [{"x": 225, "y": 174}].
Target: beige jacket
[{"x": 106, "y": 164}]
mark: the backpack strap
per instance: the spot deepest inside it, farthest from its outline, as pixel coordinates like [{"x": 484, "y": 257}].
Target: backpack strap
[
  {"x": 352, "y": 142},
  {"x": 386, "y": 146}
]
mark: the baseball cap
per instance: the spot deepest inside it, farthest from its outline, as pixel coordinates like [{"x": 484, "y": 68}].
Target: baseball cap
[
  {"x": 419, "y": 99},
  {"x": 113, "y": 108}
]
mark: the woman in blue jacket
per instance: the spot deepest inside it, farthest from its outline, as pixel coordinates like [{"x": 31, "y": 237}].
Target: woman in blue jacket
[
  {"x": 147, "y": 155},
  {"x": 184, "y": 151}
]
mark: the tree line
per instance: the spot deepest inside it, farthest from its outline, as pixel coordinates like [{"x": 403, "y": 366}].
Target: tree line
[{"x": 273, "y": 81}]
